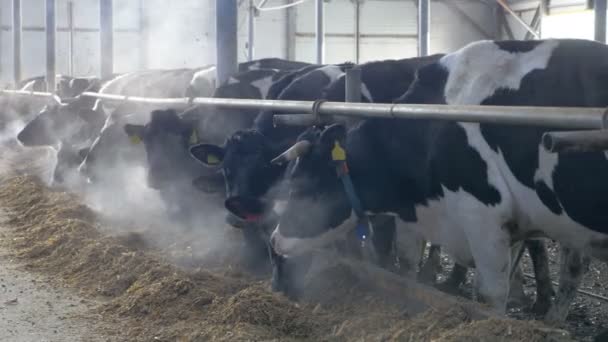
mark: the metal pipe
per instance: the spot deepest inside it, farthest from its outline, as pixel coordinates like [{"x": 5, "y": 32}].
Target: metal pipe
[
  {"x": 226, "y": 39},
  {"x": 50, "y": 45},
  {"x": 144, "y": 35},
  {"x": 600, "y": 20},
  {"x": 518, "y": 19},
  {"x": 106, "y": 35},
  {"x": 70, "y": 37},
  {"x": 320, "y": 32},
  {"x": 558, "y": 117},
  {"x": 576, "y": 141},
  {"x": 357, "y": 31},
  {"x": 17, "y": 41},
  {"x": 362, "y": 35},
  {"x": 67, "y": 29},
  {"x": 290, "y": 32},
  {"x": 353, "y": 85},
  {"x": 251, "y": 31},
  {"x": 424, "y": 18},
  {"x": 534, "y": 23}
]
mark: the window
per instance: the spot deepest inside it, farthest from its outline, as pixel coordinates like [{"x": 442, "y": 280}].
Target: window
[{"x": 575, "y": 24}]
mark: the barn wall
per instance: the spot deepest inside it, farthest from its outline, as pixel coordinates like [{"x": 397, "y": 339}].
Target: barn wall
[
  {"x": 389, "y": 28},
  {"x": 182, "y": 32}
]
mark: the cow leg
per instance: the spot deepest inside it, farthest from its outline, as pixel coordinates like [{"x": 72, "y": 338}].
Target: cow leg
[
  {"x": 409, "y": 244},
  {"x": 544, "y": 288},
  {"x": 288, "y": 274},
  {"x": 492, "y": 255},
  {"x": 517, "y": 295},
  {"x": 432, "y": 266},
  {"x": 383, "y": 238},
  {"x": 256, "y": 250},
  {"x": 573, "y": 266}
]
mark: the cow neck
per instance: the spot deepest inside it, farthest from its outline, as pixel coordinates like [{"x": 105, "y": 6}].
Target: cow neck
[
  {"x": 339, "y": 159},
  {"x": 389, "y": 166}
]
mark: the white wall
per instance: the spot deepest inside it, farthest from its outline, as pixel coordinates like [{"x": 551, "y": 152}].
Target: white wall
[
  {"x": 450, "y": 28},
  {"x": 182, "y": 32}
]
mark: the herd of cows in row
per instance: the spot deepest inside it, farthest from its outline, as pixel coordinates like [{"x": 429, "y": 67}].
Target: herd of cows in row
[{"x": 479, "y": 192}]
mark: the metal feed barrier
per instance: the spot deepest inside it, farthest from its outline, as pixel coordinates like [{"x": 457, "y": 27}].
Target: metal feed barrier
[{"x": 592, "y": 121}]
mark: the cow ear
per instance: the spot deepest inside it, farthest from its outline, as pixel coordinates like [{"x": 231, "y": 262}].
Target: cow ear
[
  {"x": 135, "y": 133},
  {"x": 208, "y": 154}
]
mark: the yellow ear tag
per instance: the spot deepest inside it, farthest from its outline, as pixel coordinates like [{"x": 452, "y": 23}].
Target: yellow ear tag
[
  {"x": 134, "y": 139},
  {"x": 338, "y": 153},
  {"x": 212, "y": 159},
  {"x": 193, "y": 137}
]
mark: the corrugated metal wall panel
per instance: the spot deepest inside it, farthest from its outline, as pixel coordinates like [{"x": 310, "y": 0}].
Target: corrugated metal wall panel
[{"x": 269, "y": 31}]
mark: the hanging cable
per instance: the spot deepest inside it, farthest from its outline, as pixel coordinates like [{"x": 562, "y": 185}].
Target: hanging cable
[{"x": 276, "y": 8}]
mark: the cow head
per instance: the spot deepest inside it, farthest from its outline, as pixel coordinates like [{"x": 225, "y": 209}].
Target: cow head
[
  {"x": 245, "y": 160},
  {"x": 166, "y": 139},
  {"x": 60, "y": 122},
  {"x": 317, "y": 200}
]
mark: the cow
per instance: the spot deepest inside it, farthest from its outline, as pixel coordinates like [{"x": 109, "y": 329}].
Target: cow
[
  {"x": 109, "y": 150},
  {"x": 476, "y": 189},
  {"x": 17, "y": 110},
  {"x": 202, "y": 85},
  {"x": 166, "y": 138},
  {"x": 246, "y": 155},
  {"x": 72, "y": 127}
]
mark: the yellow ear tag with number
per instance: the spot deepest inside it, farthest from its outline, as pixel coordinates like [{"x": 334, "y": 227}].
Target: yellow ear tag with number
[
  {"x": 134, "y": 139},
  {"x": 212, "y": 159},
  {"x": 338, "y": 153},
  {"x": 193, "y": 137}
]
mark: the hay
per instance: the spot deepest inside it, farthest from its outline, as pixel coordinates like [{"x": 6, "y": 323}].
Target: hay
[{"x": 152, "y": 299}]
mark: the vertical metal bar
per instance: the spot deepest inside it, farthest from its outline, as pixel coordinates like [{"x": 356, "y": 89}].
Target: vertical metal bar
[
  {"x": 424, "y": 17},
  {"x": 51, "y": 30},
  {"x": 1, "y": 25},
  {"x": 357, "y": 31},
  {"x": 534, "y": 23},
  {"x": 106, "y": 38},
  {"x": 320, "y": 32},
  {"x": 251, "y": 31},
  {"x": 353, "y": 85},
  {"x": 226, "y": 39},
  {"x": 600, "y": 21},
  {"x": 144, "y": 35},
  {"x": 17, "y": 41},
  {"x": 290, "y": 32},
  {"x": 71, "y": 37}
]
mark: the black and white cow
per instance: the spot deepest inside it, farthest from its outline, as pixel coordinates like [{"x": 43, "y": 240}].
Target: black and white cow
[
  {"x": 110, "y": 152},
  {"x": 167, "y": 137},
  {"x": 72, "y": 127},
  {"x": 251, "y": 180},
  {"x": 475, "y": 189},
  {"x": 18, "y": 110}
]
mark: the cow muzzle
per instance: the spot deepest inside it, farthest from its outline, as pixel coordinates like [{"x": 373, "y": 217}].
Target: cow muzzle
[{"x": 247, "y": 209}]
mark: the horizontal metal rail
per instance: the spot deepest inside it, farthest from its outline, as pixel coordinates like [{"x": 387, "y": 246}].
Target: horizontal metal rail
[
  {"x": 576, "y": 141},
  {"x": 51, "y": 96},
  {"x": 67, "y": 29},
  {"x": 557, "y": 117}
]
